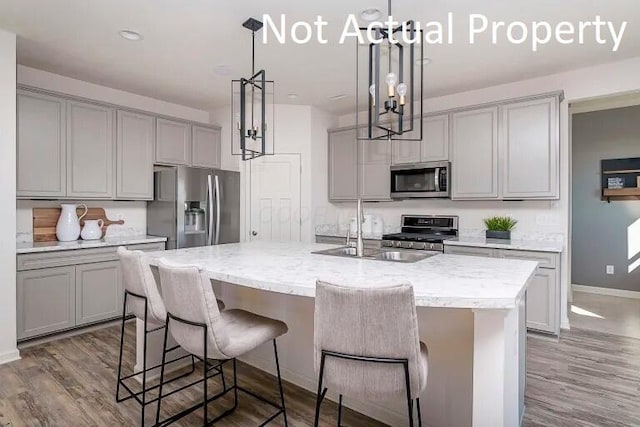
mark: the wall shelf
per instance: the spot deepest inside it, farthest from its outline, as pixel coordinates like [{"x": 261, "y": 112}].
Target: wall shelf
[{"x": 627, "y": 173}]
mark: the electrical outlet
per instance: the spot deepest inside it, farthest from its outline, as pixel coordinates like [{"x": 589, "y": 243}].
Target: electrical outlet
[{"x": 610, "y": 269}]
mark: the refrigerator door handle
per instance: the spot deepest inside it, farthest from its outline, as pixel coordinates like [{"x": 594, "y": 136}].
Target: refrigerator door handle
[
  {"x": 218, "y": 213},
  {"x": 210, "y": 210}
]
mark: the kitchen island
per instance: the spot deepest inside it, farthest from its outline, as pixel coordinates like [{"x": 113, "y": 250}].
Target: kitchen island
[{"x": 470, "y": 312}]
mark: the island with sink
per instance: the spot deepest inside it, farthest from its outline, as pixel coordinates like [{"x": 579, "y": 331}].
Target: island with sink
[{"x": 470, "y": 313}]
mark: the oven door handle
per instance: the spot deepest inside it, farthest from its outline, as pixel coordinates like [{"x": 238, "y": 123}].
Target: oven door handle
[{"x": 436, "y": 179}]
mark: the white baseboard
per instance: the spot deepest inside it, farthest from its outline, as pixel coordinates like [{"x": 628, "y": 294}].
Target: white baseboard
[
  {"x": 9, "y": 356},
  {"x": 606, "y": 291}
]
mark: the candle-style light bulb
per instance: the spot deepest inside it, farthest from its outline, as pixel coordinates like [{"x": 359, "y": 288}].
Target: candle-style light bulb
[
  {"x": 402, "y": 91},
  {"x": 391, "y": 79},
  {"x": 372, "y": 91}
]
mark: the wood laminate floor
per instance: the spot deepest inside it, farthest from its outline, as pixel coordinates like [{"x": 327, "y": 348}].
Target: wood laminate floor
[{"x": 588, "y": 378}]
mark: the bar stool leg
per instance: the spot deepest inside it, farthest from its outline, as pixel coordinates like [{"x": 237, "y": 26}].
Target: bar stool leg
[
  {"x": 204, "y": 379},
  {"x": 409, "y": 399},
  {"x": 144, "y": 365},
  {"x": 419, "y": 414},
  {"x": 284, "y": 409},
  {"x": 124, "y": 309},
  {"x": 320, "y": 394},
  {"x": 340, "y": 411},
  {"x": 164, "y": 356}
]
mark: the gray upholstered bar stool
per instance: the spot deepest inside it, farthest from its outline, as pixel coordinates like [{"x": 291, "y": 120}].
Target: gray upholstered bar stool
[
  {"x": 366, "y": 344},
  {"x": 142, "y": 297},
  {"x": 213, "y": 336}
]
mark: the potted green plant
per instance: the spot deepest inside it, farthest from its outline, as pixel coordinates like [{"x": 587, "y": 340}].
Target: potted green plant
[{"x": 499, "y": 227}]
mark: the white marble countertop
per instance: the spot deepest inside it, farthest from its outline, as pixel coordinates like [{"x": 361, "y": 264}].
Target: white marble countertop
[
  {"x": 453, "y": 281},
  {"x": 31, "y": 247},
  {"x": 521, "y": 245}
]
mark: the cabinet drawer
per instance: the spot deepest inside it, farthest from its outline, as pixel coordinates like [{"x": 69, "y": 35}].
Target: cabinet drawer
[
  {"x": 39, "y": 260},
  {"x": 545, "y": 259},
  {"x": 469, "y": 250}
]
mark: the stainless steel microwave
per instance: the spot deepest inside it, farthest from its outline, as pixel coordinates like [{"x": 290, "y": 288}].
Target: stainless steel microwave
[{"x": 418, "y": 180}]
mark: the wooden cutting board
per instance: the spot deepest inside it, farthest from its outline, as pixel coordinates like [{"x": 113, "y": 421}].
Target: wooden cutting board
[{"x": 45, "y": 220}]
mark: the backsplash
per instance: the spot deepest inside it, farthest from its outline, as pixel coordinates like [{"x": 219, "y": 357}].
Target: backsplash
[{"x": 134, "y": 215}]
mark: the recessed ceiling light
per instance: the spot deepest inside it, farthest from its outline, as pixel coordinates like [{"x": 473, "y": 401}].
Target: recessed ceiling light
[
  {"x": 337, "y": 97},
  {"x": 424, "y": 61},
  {"x": 222, "y": 70},
  {"x": 292, "y": 96},
  {"x": 371, "y": 14},
  {"x": 130, "y": 35}
]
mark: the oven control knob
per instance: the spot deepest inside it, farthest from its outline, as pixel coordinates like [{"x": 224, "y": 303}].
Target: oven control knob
[{"x": 410, "y": 245}]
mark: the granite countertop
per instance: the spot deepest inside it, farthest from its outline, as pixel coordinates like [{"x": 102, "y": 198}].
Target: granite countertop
[
  {"x": 521, "y": 245},
  {"x": 455, "y": 281},
  {"x": 32, "y": 247}
]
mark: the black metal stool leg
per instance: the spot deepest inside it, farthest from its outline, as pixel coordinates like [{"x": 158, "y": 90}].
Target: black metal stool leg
[
  {"x": 284, "y": 409},
  {"x": 409, "y": 399},
  {"x": 321, "y": 392},
  {"x": 124, "y": 313},
  {"x": 419, "y": 413},
  {"x": 204, "y": 379},
  {"x": 340, "y": 411},
  {"x": 164, "y": 356}
]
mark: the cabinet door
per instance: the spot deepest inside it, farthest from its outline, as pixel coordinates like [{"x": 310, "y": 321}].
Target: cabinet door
[
  {"x": 343, "y": 178},
  {"x": 205, "y": 149},
  {"x": 435, "y": 139},
  {"x": 403, "y": 152},
  {"x": 542, "y": 302},
  {"x": 90, "y": 150},
  {"x": 98, "y": 292},
  {"x": 173, "y": 142},
  {"x": 375, "y": 176},
  {"x": 529, "y": 147},
  {"x": 45, "y": 301},
  {"x": 134, "y": 156},
  {"x": 474, "y": 157},
  {"x": 469, "y": 250},
  {"x": 41, "y": 147}
]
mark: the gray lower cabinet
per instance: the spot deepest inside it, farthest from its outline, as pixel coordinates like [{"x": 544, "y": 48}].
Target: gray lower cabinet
[
  {"x": 173, "y": 142},
  {"x": 205, "y": 148},
  {"x": 543, "y": 293},
  {"x": 61, "y": 290},
  {"x": 41, "y": 146},
  {"x": 99, "y": 292},
  {"x": 90, "y": 150},
  {"x": 135, "y": 136},
  {"x": 45, "y": 301}
]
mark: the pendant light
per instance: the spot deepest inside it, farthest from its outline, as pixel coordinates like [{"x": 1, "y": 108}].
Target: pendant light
[
  {"x": 252, "y": 107},
  {"x": 392, "y": 81}
]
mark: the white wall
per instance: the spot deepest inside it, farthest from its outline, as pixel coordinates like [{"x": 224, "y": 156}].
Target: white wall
[
  {"x": 578, "y": 85},
  {"x": 8, "y": 350}
]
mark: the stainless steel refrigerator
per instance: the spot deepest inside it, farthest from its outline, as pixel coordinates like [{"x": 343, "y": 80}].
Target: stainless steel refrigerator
[{"x": 194, "y": 206}]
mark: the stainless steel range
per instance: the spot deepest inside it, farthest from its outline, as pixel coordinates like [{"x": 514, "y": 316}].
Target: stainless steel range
[{"x": 423, "y": 232}]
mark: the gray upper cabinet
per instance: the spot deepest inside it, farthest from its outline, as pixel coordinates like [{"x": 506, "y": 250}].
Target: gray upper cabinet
[
  {"x": 90, "y": 150},
  {"x": 375, "y": 161},
  {"x": 205, "y": 150},
  {"x": 135, "y": 137},
  {"x": 474, "y": 157},
  {"x": 343, "y": 179},
  {"x": 41, "y": 146},
  {"x": 529, "y": 149},
  {"x": 433, "y": 147},
  {"x": 435, "y": 138},
  {"x": 45, "y": 301},
  {"x": 173, "y": 142},
  {"x": 99, "y": 292}
]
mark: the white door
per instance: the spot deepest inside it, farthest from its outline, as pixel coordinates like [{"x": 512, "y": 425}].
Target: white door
[{"x": 275, "y": 198}]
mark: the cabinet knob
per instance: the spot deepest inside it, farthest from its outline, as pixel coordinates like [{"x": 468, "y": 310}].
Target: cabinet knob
[{"x": 254, "y": 233}]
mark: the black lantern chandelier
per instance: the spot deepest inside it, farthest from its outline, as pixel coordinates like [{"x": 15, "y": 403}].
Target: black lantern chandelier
[
  {"x": 392, "y": 82},
  {"x": 252, "y": 107}
]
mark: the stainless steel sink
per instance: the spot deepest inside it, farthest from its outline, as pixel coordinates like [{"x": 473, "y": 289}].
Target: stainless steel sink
[
  {"x": 378, "y": 254},
  {"x": 403, "y": 256}
]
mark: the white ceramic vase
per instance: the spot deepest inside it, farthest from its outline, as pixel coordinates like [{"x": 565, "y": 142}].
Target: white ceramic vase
[
  {"x": 92, "y": 229},
  {"x": 68, "y": 227}
]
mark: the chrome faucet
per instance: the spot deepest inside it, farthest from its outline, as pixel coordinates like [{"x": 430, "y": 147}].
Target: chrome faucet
[{"x": 359, "y": 221}]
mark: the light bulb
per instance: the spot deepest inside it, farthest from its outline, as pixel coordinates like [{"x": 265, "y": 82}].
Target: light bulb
[
  {"x": 402, "y": 91},
  {"x": 372, "y": 91},
  {"x": 391, "y": 79}
]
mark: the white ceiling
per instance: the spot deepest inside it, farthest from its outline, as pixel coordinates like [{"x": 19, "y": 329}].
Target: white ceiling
[{"x": 184, "y": 42}]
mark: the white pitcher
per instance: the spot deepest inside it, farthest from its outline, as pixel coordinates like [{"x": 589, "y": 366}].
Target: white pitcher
[
  {"x": 92, "y": 229},
  {"x": 68, "y": 227}
]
